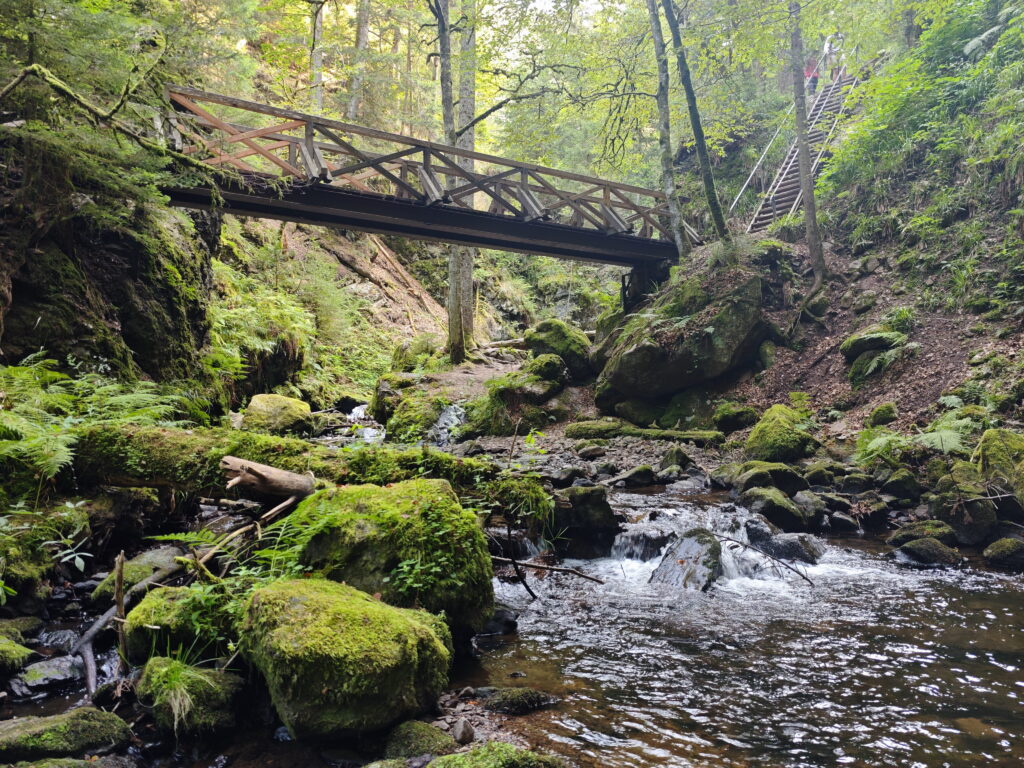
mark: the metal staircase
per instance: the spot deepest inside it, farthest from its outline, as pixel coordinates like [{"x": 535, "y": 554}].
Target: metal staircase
[{"x": 784, "y": 196}]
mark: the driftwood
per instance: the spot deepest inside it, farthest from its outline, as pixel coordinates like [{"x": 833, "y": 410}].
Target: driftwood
[
  {"x": 540, "y": 567},
  {"x": 264, "y": 479}
]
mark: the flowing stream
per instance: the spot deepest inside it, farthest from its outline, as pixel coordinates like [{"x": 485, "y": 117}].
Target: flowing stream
[{"x": 873, "y": 665}]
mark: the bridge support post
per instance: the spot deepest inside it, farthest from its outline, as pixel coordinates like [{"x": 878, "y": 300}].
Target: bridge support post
[{"x": 641, "y": 281}]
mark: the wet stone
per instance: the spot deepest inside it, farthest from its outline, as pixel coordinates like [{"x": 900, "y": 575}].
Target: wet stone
[
  {"x": 62, "y": 640},
  {"x": 47, "y": 674}
]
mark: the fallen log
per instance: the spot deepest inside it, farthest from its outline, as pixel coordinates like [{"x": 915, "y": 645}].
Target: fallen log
[
  {"x": 265, "y": 480},
  {"x": 539, "y": 567}
]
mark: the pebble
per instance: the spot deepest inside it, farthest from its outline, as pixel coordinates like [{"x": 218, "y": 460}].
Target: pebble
[{"x": 463, "y": 732}]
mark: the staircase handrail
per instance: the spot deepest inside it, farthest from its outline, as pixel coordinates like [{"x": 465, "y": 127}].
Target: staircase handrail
[{"x": 771, "y": 142}]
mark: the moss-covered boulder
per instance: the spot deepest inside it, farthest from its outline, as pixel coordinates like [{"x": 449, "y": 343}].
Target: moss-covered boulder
[
  {"x": 923, "y": 529},
  {"x": 336, "y": 661},
  {"x": 694, "y": 561},
  {"x": 416, "y": 411},
  {"x": 929, "y": 551},
  {"x": 13, "y": 656},
  {"x": 388, "y": 393},
  {"x": 710, "y": 324},
  {"x": 137, "y": 569},
  {"x": 497, "y": 755},
  {"x": 556, "y": 337},
  {"x": 884, "y": 414},
  {"x": 1000, "y": 458},
  {"x": 770, "y": 474},
  {"x": 414, "y": 738},
  {"x": 875, "y": 338},
  {"x": 902, "y": 484},
  {"x": 20, "y": 628},
  {"x": 411, "y": 542},
  {"x": 1006, "y": 553},
  {"x": 71, "y": 734},
  {"x": 167, "y": 619},
  {"x": 276, "y": 414},
  {"x": 960, "y": 500},
  {"x": 517, "y": 701},
  {"x": 779, "y": 509},
  {"x": 730, "y": 417},
  {"x": 186, "y": 699},
  {"x": 780, "y": 435}
]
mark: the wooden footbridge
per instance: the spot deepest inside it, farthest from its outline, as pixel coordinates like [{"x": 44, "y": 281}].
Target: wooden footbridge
[{"x": 298, "y": 167}]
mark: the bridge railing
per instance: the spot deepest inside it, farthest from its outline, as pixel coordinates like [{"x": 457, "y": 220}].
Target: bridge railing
[{"x": 259, "y": 140}]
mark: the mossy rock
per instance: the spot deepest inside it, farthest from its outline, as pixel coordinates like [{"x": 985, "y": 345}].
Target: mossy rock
[
  {"x": 517, "y": 701},
  {"x": 606, "y": 429},
  {"x": 864, "y": 366},
  {"x": 411, "y": 542},
  {"x": 512, "y": 405},
  {"x": 388, "y": 393},
  {"x": 137, "y": 569},
  {"x": 902, "y": 484},
  {"x": 72, "y": 733},
  {"x": 548, "y": 367},
  {"x": 692, "y": 562},
  {"x": 414, "y": 738},
  {"x": 416, "y": 412},
  {"x": 497, "y": 755},
  {"x": 873, "y": 339},
  {"x": 675, "y": 456},
  {"x": 923, "y": 529},
  {"x": 929, "y": 551},
  {"x": 778, "y": 509},
  {"x": 770, "y": 474},
  {"x": 819, "y": 474},
  {"x": 716, "y": 327},
  {"x": 20, "y": 628},
  {"x": 688, "y": 410},
  {"x": 959, "y": 500},
  {"x": 415, "y": 353},
  {"x": 337, "y": 662},
  {"x": 999, "y": 457},
  {"x": 731, "y": 417},
  {"x": 13, "y": 656},
  {"x": 884, "y": 414},
  {"x": 400, "y": 763},
  {"x": 556, "y": 337},
  {"x": 213, "y": 694},
  {"x": 276, "y": 414},
  {"x": 1006, "y": 553},
  {"x": 165, "y": 620},
  {"x": 639, "y": 412},
  {"x": 780, "y": 436}
]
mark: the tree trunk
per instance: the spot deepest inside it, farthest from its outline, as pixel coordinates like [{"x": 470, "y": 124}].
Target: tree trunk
[
  {"x": 699, "y": 140},
  {"x": 463, "y": 257},
  {"x": 668, "y": 181},
  {"x": 316, "y": 54},
  {"x": 359, "y": 65},
  {"x": 814, "y": 247}
]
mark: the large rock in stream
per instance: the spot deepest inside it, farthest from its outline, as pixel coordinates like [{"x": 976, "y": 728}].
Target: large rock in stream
[
  {"x": 338, "y": 662},
  {"x": 584, "y": 522},
  {"x": 411, "y": 542},
  {"x": 693, "y": 562}
]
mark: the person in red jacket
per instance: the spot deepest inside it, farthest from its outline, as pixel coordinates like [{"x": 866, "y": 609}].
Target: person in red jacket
[{"x": 811, "y": 75}]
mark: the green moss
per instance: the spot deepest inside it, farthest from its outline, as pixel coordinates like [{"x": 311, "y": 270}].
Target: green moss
[
  {"x": 276, "y": 414},
  {"x": 883, "y": 414},
  {"x": 930, "y": 552},
  {"x": 555, "y": 337},
  {"x": 187, "y": 699},
  {"x": 778, "y": 509},
  {"x": 137, "y": 569},
  {"x": 416, "y": 412},
  {"x": 753, "y": 474},
  {"x": 168, "y": 619},
  {"x": 1005, "y": 553},
  {"x": 20, "y": 628},
  {"x": 414, "y": 738},
  {"x": 605, "y": 429},
  {"x": 780, "y": 436},
  {"x": 411, "y": 542},
  {"x": 512, "y": 404},
  {"x": 190, "y": 460},
  {"x": 338, "y": 661},
  {"x": 517, "y": 498},
  {"x": 497, "y": 755},
  {"x": 730, "y": 417},
  {"x": 71, "y": 733},
  {"x": 12, "y": 656},
  {"x": 999, "y": 457},
  {"x": 417, "y": 354},
  {"x": 875, "y": 338},
  {"x": 960, "y": 500},
  {"x": 935, "y": 529},
  {"x": 548, "y": 367}
]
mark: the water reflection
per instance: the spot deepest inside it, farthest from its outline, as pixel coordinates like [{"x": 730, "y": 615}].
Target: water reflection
[{"x": 873, "y": 665}]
